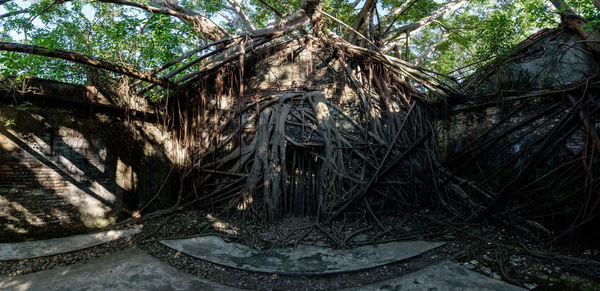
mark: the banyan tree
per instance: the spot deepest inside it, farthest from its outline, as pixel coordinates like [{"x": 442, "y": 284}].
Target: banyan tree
[
  {"x": 310, "y": 124},
  {"x": 291, "y": 118},
  {"x": 308, "y": 127}
]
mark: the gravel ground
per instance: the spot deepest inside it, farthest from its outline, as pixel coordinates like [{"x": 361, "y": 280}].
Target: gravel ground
[
  {"x": 478, "y": 248},
  {"x": 20, "y": 267}
]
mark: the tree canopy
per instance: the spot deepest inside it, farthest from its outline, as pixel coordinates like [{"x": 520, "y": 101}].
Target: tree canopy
[{"x": 443, "y": 36}]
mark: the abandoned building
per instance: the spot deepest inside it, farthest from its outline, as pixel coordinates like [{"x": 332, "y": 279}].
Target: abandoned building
[{"x": 283, "y": 159}]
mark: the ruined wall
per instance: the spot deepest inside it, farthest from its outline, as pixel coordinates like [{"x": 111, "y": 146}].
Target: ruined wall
[
  {"x": 70, "y": 167},
  {"x": 548, "y": 59},
  {"x": 459, "y": 127},
  {"x": 524, "y": 144},
  {"x": 513, "y": 126}
]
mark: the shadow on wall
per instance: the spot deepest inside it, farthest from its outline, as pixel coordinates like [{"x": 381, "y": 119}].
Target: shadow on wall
[{"x": 64, "y": 172}]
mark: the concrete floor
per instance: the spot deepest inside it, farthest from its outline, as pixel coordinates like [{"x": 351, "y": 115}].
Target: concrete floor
[
  {"x": 443, "y": 276},
  {"x": 134, "y": 269},
  {"x": 41, "y": 248},
  {"x": 303, "y": 260},
  {"x": 130, "y": 269}
]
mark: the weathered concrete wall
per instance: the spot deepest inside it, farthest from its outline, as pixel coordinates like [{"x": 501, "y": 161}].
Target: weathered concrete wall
[
  {"x": 463, "y": 126},
  {"x": 69, "y": 167},
  {"x": 460, "y": 127},
  {"x": 550, "y": 58}
]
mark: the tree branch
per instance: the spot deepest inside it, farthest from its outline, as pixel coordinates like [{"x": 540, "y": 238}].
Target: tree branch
[
  {"x": 596, "y": 3},
  {"x": 562, "y": 7},
  {"x": 400, "y": 10},
  {"x": 225, "y": 16},
  {"x": 421, "y": 23},
  {"x": 271, "y": 8},
  {"x": 577, "y": 23},
  {"x": 416, "y": 27},
  {"x": 391, "y": 18},
  {"x": 347, "y": 26},
  {"x": 236, "y": 7},
  {"x": 429, "y": 52},
  {"x": 303, "y": 16},
  {"x": 360, "y": 18},
  {"x": 86, "y": 60},
  {"x": 13, "y": 13},
  {"x": 201, "y": 23}
]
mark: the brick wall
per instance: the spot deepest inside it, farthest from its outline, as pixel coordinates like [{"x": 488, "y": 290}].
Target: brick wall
[{"x": 65, "y": 169}]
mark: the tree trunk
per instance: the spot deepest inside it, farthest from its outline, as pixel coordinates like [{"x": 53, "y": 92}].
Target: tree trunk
[
  {"x": 576, "y": 23},
  {"x": 360, "y": 18}
]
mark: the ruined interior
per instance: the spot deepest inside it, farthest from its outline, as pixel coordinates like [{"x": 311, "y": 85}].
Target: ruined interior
[{"x": 253, "y": 151}]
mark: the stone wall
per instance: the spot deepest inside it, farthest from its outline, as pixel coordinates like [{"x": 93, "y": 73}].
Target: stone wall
[{"x": 68, "y": 167}]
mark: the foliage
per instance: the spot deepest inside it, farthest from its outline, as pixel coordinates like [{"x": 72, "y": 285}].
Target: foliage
[
  {"x": 130, "y": 36},
  {"x": 486, "y": 29},
  {"x": 119, "y": 34}
]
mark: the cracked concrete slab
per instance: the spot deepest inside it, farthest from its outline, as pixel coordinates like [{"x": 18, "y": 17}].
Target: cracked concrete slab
[
  {"x": 130, "y": 269},
  {"x": 303, "y": 260},
  {"x": 41, "y": 248},
  {"x": 443, "y": 276}
]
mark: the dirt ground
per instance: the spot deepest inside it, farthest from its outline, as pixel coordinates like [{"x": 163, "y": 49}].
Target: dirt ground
[{"x": 518, "y": 258}]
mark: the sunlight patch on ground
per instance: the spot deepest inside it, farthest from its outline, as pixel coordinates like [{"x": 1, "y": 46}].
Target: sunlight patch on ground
[{"x": 222, "y": 226}]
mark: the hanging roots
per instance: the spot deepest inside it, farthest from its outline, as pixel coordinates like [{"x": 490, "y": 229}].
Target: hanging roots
[
  {"x": 535, "y": 161},
  {"x": 308, "y": 128}
]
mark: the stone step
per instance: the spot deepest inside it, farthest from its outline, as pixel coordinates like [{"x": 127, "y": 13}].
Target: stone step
[
  {"x": 303, "y": 260},
  {"x": 133, "y": 269},
  {"x": 442, "y": 276},
  {"x": 41, "y": 248},
  {"x": 130, "y": 269}
]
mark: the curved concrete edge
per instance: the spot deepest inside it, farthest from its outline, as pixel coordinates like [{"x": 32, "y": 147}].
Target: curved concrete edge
[
  {"x": 303, "y": 260},
  {"x": 443, "y": 276},
  {"x": 42, "y": 248},
  {"x": 129, "y": 269}
]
